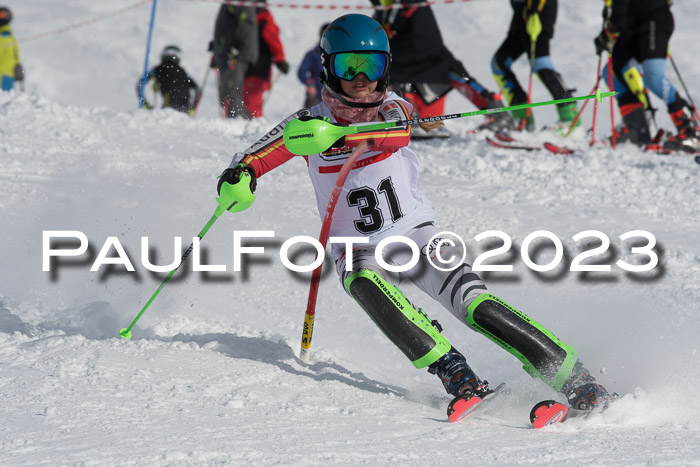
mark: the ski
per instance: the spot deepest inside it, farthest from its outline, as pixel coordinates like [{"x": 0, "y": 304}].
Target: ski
[
  {"x": 503, "y": 145},
  {"x": 462, "y": 406},
  {"x": 659, "y": 149},
  {"x": 560, "y": 150},
  {"x": 547, "y": 413},
  {"x": 507, "y": 142}
]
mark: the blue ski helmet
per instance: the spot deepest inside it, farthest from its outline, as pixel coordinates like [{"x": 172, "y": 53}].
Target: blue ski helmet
[{"x": 354, "y": 33}]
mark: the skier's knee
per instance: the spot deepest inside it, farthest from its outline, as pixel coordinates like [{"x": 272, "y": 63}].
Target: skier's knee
[
  {"x": 543, "y": 355},
  {"x": 543, "y": 63},
  {"x": 654, "y": 78},
  {"x": 410, "y": 329}
]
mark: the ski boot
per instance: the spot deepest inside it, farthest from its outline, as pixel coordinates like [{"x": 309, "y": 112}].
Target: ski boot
[
  {"x": 688, "y": 138},
  {"x": 497, "y": 122},
  {"x": 456, "y": 376},
  {"x": 523, "y": 122},
  {"x": 636, "y": 127},
  {"x": 482, "y": 99},
  {"x": 567, "y": 114},
  {"x": 583, "y": 392},
  {"x": 460, "y": 381}
]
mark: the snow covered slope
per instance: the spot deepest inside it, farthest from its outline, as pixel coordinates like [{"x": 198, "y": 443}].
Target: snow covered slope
[{"x": 211, "y": 376}]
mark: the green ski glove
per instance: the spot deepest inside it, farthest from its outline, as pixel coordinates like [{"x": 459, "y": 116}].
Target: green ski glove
[{"x": 236, "y": 187}]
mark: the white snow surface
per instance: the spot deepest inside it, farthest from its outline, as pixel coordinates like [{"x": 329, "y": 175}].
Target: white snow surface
[{"x": 211, "y": 376}]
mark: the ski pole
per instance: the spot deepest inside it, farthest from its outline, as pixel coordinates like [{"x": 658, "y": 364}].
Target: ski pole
[
  {"x": 534, "y": 28},
  {"x": 148, "y": 51},
  {"x": 310, "y": 314},
  {"x": 198, "y": 97},
  {"x": 307, "y": 137},
  {"x": 595, "y": 104},
  {"x": 268, "y": 93},
  {"x": 224, "y": 205},
  {"x": 612, "y": 104},
  {"x": 678, "y": 73}
]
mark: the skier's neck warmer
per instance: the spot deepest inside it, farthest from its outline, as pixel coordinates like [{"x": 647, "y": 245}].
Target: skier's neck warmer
[{"x": 345, "y": 113}]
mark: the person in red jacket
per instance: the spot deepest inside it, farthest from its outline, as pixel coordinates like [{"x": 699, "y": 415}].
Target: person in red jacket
[{"x": 259, "y": 77}]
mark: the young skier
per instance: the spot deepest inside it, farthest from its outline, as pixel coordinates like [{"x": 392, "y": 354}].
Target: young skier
[
  {"x": 178, "y": 89},
  {"x": 309, "y": 74},
  {"x": 425, "y": 70},
  {"x": 532, "y": 25},
  {"x": 10, "y": 67},
  {"x": 638, "y": 33},
  {"x": 380, "y": 199},
  {"x": 258, "y": 78}
]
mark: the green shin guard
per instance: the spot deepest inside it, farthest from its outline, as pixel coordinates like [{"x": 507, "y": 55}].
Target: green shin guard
[
  {"x": 409, "y": 329},
  {"x": 543, "y": 355}
]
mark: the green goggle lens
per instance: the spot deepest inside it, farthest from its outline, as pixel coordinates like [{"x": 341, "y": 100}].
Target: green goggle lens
[{"x": 348, "y": 65}]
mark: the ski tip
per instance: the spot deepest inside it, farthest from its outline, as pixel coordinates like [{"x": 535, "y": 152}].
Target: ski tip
[
  {"x": 548, "y": 413},
  {"x": 559, "y": 150},
  {"x": 461, "y": 406}
]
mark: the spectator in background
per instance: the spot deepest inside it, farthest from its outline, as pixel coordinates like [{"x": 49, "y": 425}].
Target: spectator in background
[
  {"x": 10, "y": 67},
  {"x": 178, "y": 89},
  {"x": 530, "y": 31},
  {"x": 258, "y": 77},
  {"x": 637, "y": 35},
  {"x": 425, "y": 70},
  {"x": 310, "y": 72},
  {"x": 236, "y": 49}
]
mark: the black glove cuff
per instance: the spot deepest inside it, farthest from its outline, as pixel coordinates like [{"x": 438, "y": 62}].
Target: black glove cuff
[{"x": 232, "y": 175}]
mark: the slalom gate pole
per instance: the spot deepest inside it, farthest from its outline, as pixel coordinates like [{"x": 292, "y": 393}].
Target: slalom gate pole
[
  {"x": 595, "y": 104},
  {"x": 680, "y": 78},
  {"x": 534, "y": 29},
  {"x": 126, "y": 332},
  {"x": 528, "y": 112},
  {"x": 148, "y": 51},
  {"x": 612, "y": 104},
  {"x": 309, "y": 316}
]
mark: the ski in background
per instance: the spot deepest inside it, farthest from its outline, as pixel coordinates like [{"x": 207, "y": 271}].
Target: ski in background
[{"x": 505, "y": 141}]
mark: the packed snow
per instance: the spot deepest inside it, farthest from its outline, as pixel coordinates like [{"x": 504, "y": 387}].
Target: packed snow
[{"x": 212, "y": 375}]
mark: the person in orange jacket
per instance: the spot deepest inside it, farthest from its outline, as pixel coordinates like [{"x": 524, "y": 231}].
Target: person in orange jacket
[{"x": 258, "y": 78}]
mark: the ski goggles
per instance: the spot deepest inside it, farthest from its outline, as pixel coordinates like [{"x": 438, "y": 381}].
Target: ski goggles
[{"x": 348, "y": 65}]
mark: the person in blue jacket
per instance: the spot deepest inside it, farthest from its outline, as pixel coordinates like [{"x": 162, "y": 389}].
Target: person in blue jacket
[{"x": 309, "y": 73}]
